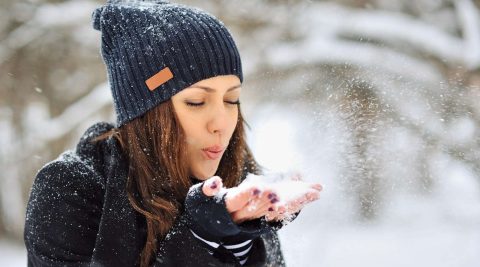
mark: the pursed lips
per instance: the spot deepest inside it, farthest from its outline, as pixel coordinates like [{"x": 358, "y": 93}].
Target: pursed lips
[{"x": 213, "y": 152}]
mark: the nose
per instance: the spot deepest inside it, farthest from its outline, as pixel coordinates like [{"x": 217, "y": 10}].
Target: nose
[{"x": 218, "y": 121}]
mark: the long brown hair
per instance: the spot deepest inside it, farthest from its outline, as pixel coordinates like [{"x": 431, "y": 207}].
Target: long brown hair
[{"x": 155, "y": 145}]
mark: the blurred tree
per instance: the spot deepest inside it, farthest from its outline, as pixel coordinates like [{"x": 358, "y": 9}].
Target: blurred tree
[{"x": 408, "y": 64}]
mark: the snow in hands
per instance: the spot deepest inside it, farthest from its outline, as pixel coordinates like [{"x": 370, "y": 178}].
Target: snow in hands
[
  {"x": 293, "y": 193},
  {"x": 287, "y": 193},
  {"x": 288, "y": 187}
]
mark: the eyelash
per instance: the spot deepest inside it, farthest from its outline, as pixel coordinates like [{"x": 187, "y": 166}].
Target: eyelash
[{"x": 201, "y": 104}]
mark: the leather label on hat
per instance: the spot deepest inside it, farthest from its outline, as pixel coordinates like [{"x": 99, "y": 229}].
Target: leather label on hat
[{"x": 158, "y": 79}]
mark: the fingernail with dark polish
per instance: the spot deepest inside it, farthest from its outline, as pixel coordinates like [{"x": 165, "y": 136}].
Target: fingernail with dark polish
[
  {"x": 270, "y": 209},
  {"x": 270, "y": 196},
  {"x": 273, "y": 201},
  {"x": 256, "y": 192},
  {"x": 213, "y": 185}
]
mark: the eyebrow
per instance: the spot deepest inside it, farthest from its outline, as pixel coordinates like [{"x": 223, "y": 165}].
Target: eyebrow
[{"x": 209, "y": 89}]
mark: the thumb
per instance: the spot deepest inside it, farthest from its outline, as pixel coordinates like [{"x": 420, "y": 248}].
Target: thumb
[{"x": 212, "y": 186}]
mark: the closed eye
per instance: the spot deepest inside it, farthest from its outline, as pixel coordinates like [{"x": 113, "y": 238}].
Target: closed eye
[
  {"x": 195, "y": 104},
  {"x": 233, "y": 103}
]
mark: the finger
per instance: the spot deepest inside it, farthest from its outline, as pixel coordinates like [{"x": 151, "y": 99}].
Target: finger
[
  {"x": 272, "y": 213},
  {"x": 281, "y": 209},
  {"x": 267, "y": 199},
  {"x": 308, "y": 200},
  {"x": 317, "y": 186},
  {"x": 255, "y": 204},
  {"x": 237, "y": 217},
  {"x": 212, "y": 186},
  {"x": 239, "y": 197},
  {"x": 294, "y": 205},
  {"x": 312, "y": 195},
  {"x": 268, "y": 206},
  {"x": 275, "y": 213},
  {"x": 299, "y": 203},
  {"x": 256, "y": 208},
  {"x": 245, "y": 213},
  {"x": 271, "y": 216}
]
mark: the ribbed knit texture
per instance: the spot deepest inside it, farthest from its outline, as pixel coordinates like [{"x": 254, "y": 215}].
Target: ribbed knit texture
[{"x": 141, "y": 38}]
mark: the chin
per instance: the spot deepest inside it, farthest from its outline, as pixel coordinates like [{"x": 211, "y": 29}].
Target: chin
[{"x": 204, "y": 174}]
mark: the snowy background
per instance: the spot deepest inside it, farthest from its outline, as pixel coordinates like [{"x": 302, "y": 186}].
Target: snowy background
[{"x": 378, "y": 100}]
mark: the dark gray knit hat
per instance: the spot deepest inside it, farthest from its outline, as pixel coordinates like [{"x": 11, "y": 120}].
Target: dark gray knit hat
[{"x": 154, "y": 49}]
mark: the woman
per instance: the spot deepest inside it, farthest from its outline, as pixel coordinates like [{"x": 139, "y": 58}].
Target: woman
[{"x": 144, "y": 193}]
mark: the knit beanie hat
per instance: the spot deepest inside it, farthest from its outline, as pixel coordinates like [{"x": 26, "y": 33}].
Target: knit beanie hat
[{"x": 154, "y": 49}]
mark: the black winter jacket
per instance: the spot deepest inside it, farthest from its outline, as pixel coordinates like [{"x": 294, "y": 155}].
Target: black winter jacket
[{"x": 78, "y": 214}]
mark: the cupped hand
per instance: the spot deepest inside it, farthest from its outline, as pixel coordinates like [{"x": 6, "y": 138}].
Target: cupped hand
[
  {"x": 284, "y": 211},
  {"x": 248, "y": 202},
  {"x": 242, "y": 202}
]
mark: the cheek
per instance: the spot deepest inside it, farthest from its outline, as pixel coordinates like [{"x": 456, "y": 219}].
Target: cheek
[
  {"x": 199, "y": 167},
  {"x": 191, "y": 131},
  {"x": 233, "y": 122}
]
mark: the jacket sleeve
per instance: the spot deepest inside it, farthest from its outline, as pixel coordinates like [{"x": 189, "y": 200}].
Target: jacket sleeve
[
  {"x": 181, "y": 248},
  {"x": 63, "y": 214},
  {"x": 207, "y": 219}
]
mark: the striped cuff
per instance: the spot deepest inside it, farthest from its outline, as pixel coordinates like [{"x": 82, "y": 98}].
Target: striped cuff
[{"x": 240, "y": 250}]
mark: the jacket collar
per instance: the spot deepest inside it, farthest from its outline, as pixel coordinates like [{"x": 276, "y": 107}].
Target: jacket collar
[{"x": 102, "y": 154}]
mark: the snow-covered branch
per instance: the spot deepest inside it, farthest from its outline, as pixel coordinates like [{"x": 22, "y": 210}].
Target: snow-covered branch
[
  {"x": 325, "y": 26},
  {"x": 46, "y": 17},
  {"x": 469, "y": 19},
  {"x": 75, "y": 114},
  {"x": 323, "y": 49},
  {"x": 389, "y": 27}
]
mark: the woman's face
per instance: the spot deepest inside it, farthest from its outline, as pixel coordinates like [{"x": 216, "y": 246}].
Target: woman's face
[{"x": 208, "y": 114}]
